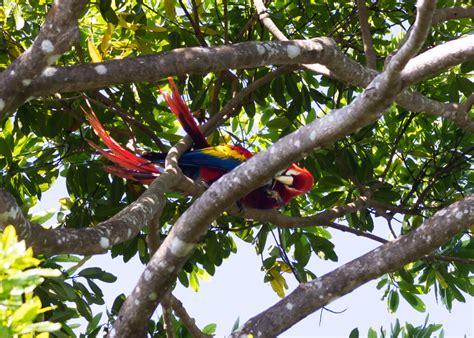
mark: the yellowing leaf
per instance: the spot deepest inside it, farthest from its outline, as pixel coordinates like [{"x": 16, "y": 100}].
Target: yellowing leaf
[
  {"x": 193, "y": 281},
  {"x": 155, "y": 29},
  {"x": 208, "y": 31},
  {"x": 283, "y": 266},
  {"x": 66, "y": 203},
  {"x": 170, "y": 9},
  {"x": 2, "y": 14},
  {"x": 278, "y": 283},
  {"x": 127, "y": 25},
  {"x": 471, "y": 229},
  {"x": 105, "y": 43},
  {"x": 441, "y": 280},
  {"x": 93, "y": 51},
  {"x": 27, "y": 312},
  {"x": 9, "y": 237}
]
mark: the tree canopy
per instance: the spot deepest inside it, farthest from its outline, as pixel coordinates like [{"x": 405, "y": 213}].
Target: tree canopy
[{"x": 373, "y": 98}]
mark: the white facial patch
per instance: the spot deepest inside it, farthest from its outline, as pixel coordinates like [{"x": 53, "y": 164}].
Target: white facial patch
[{"x": 292, "y": 172}]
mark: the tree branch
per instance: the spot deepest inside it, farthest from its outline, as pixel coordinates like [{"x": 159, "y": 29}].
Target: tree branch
[
  {"x": 181, "y": 312},
  {"x": 87, "y": 241},
  {"x": 370, "y": 57},
  {"x": 309, "y": 297},
  {"x": 342, "y": 68},
  {"x": 264, "y": 17},
  {"x": 285, "y": 221},
  {"x": 193, "y": 60},
  {"x": 416, "y": 37},
  {"x": 56, "y": 36},
  {"x": 445, "y": 14},
  {"x": 438, "y": 59},
  {"x": 412, "y": 101}
]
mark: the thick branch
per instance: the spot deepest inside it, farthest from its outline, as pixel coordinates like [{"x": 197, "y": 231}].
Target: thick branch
[
  {"x": 56, "y": 36},
  {"x": 87, "y": 241},
  {"x": 416, "y": 36},
  {"x": 265, "y": 18},
  {"x": 445, "y": 14},
  {"x": 360, "y": 76},
  {"x": 201, "y": 60},
  {"x": 285, "y": 221},
  {"x": 438, "y": 59},
  {"x": 194, "y": 60},
  {"x": 345, "y": 69},
  {"x": 309, "y": 297}
]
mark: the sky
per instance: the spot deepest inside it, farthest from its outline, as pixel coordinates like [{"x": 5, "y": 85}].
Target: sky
[{"x": 237, "y": 291}]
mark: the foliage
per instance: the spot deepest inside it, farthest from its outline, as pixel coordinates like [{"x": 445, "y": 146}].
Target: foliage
[
  {"x": 405, "y": 331},
  {"x": 20, "y": 310},
  {"x": 415, "y": 164}
]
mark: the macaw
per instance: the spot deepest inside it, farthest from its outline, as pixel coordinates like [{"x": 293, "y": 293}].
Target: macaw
[{"x": 205, "y": 163}]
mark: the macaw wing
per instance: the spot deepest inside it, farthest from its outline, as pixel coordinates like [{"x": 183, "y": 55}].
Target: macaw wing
[
  {"x": 223, "y": 157},
  {"x": 210, "y": 158}
]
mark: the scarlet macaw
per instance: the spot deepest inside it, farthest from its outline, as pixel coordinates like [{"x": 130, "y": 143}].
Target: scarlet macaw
[{"x": 205, "y": 163}]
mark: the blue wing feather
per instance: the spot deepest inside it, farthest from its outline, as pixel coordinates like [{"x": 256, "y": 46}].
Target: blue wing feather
[{"x": 219, "y": 157}]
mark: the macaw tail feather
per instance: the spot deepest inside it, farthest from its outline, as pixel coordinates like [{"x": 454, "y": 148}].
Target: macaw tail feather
[
  {"x": 140, "y": 177},
  {"x": 132, "y": 166},
  {"x": 182, "y": 112}
]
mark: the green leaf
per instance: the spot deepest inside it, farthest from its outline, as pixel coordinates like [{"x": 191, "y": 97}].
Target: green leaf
[
  {"x": 118, "y": 304},
  {"x": 413, "y": 300},
  {"x": 209, "y": 329},
  {"x": 94, "y": 322},
  {"x": 278, "y": 91},
  {"x": 236, "y": 324},
  {"x": 44, "y": 216},
  {"x": 330, "y": 199},
  {"x": 354, "y": 333},
  {"x": 393, "y": 301},
  {"x": 90, "y": 272},
  {"x": 371, "y": 333}
]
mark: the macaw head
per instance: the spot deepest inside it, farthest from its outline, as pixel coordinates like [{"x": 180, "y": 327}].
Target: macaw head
[{"x": 290, "y": 183}]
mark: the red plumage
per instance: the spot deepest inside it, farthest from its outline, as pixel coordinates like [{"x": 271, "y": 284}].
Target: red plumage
[{"x": 205, "y": 163}]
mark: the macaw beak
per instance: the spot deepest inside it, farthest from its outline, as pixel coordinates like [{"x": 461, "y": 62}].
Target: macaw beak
[
  {"x": 296, "y": 178},
  {"x": 285, "y": 179}
]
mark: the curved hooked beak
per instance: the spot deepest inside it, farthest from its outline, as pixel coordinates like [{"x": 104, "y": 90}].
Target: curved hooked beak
[
  {"x": 285, "y": 179},
  {"x": 296, "y": 178}
]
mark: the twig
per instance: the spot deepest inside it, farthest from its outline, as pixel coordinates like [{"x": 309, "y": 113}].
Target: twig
[
  {"x": 167, "y": 316},
  {"x": 237, "y": 101},
  {"x": 449, "y": 259},
  {"x": 188, "y": 322},
  {"x": 370, "y": 57},
  {"x": 226, "y": 23},
  {"x": 355, "y": 232},
  {"x": 264, "y": 17},
  {"x": 395, "y": 146}
]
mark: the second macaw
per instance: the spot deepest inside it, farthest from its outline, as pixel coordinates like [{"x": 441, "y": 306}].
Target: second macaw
[{"x": 205, "y": 163}]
